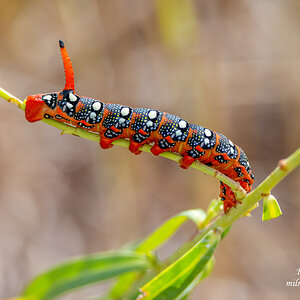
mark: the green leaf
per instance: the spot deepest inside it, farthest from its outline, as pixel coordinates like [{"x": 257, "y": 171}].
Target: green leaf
[
  {"x": 172, "y": 281},
  {"x": 212, "y": 212},
  {"x": 83, "y": 271},
  {"x": 271, "y": 208},
  {"x": 225, "y": 232},
  {"x": 165, "y": 231},
  {"x": 123, "y": 284},
  {"x": 126, "y": 282},
  {"x": 206, "y": 272}
]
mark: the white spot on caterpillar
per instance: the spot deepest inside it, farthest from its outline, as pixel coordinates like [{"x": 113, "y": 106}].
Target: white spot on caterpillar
[
  {"x": 125, "y": 111},
  {"x": 47, "y": 97},
  {"x": 70, "y": 105},
  {"x": 207, "y": 132},
  {"x": 152, "y": 114},
  {"x": 96, "y": 106},
  {"x": 178, "y": 133},
  {"x": 72, "y": 97},
  {"x": 121, "y": 120},
  {"x": 182, "y": 124},
  {"x": 93, "y": 115},
  {"x": 206, "y": 141},
  {"x": 230, "y": 143},
  {"x": 149, "y": 124}
]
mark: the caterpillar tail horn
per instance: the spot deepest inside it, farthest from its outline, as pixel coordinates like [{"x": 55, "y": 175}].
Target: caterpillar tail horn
[{"x": 69, "y": 73}]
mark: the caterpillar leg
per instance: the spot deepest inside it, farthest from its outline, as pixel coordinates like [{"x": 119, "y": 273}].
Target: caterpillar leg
[
  {"x": 134, "y": 147},
  {"x": 245, "y": 185},
  {"x": 163, "y": 145},
  {"x": 156, "y": 150},
  {"x": 227, "y": 196},
  {"x": 137, "y": 140},
  {"x": 227, "y": 205},
  {"x": 190, "y": 156},
  {"x": 186, "y": 162},
  {"x": 111, "y": 134},
  {"x": 105, "y": 143}
]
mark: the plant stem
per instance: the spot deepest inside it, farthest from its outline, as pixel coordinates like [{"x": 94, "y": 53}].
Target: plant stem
[
  {"x": 68, "y": 129},
  {"x": 10, "y": 98},
  {"x": 285, "y": 166}
]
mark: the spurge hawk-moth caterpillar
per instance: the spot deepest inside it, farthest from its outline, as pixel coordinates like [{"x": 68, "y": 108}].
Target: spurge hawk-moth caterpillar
[{"x": 141, "y": 126}]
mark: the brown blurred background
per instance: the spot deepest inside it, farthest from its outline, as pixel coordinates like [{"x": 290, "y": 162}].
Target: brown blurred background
[{"x": 232, "y": 66}]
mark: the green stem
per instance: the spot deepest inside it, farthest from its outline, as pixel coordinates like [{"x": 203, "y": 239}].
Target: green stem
[
  {"x": 10, "y": 98},
  {"x": 285, "y": 167},
  {"x": 68, "y": 129}
]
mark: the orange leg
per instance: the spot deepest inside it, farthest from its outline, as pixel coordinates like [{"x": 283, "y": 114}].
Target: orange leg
[
  {"x": 186, "y": 162},
  {"x": 156, "y": 150},
  {"x": 227, "y": 204},
  {"x": 134, "y": 147},
  {"x": 105, "y": 143},
  {"x": 245, "y": 185}
]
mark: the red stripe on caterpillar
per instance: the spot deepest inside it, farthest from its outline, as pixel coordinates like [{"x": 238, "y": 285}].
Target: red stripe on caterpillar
[{"x": 144, "y": 126}]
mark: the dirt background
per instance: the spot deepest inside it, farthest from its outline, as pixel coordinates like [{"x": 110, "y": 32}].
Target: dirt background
[{"x": 232, "y": 66}]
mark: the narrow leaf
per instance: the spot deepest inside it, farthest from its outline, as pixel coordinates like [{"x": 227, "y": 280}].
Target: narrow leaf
[
  {"x": 172, "y": 281},
  {"x": 83, "y": 271},
  {"x": 213, "y": 211},
  {"x": 225, "y": 232},
  {"x": 206, "y": 272},
  {"x": 123, "y": 284},
  {"x": 165, "y": 231}
]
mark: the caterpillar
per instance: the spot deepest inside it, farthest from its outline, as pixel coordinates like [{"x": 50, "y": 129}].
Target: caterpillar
[{"x": 164, "y": 131}]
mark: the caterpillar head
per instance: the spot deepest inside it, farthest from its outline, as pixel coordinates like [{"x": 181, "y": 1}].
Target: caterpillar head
[{"x": 37, "y": 104}]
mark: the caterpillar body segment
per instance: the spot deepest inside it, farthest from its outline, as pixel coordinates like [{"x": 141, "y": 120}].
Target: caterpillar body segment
[{"x": 141, "y": 126}]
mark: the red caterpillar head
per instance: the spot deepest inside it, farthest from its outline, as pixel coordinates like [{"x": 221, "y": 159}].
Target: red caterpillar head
[{"x": 37, "y": 104}]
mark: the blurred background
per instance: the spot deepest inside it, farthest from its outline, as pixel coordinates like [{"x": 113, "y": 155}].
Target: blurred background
[{"x": 232, "y": 66}]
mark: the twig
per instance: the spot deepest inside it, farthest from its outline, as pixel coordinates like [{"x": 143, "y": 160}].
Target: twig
[{"x": 285, "y": 167}]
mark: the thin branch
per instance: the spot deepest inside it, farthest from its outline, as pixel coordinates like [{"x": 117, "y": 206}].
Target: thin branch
[
  {"x": 68, "y": 129},
  {"x": 285, "y": 167},
  {"x": 10, "y": 98}
]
